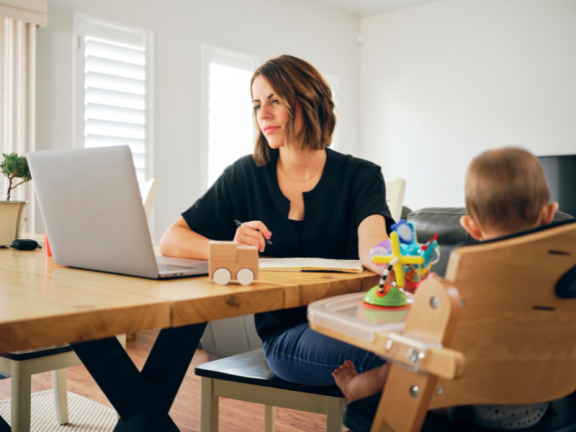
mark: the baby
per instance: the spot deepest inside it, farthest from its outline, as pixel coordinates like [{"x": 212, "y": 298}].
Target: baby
[{"x": 506, "y": 192}]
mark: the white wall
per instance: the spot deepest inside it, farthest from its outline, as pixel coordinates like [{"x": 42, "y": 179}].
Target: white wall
[
  {"x": 318, "y": 33},
  {"x": 442, "y": 82}
]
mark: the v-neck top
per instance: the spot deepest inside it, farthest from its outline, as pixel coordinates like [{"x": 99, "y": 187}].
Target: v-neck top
[{"x": 350, "y": 190}]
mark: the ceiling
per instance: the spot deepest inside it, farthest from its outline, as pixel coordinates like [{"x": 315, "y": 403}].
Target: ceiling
[{"x": 372, "y": 7}]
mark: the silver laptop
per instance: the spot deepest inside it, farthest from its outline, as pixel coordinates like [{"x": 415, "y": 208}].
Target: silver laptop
[{"x": 93, "y": 214}]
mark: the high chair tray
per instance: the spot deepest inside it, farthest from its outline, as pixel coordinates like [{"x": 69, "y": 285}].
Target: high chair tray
[{"x": 346, "y": 314}]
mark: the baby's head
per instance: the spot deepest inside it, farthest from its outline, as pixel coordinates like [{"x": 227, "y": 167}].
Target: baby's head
[{"x": 506, "y": 192}]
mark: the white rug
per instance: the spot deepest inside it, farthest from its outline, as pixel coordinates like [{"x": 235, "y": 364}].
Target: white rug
[{"x": 84, "y": 415}]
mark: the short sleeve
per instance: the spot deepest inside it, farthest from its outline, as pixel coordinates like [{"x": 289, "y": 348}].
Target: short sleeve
[
  {"x": 370, "y": 198},
  {"x": 213, "y": 214}
]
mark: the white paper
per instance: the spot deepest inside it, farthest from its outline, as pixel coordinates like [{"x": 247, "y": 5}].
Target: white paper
[{"x": 310, "y": 264}]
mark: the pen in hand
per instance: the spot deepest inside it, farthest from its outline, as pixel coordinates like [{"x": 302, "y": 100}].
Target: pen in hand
[{"x": 238, "y": 224}]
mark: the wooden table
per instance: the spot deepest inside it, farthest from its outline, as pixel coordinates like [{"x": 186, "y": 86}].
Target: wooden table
[{"x": 44, "y": 304}]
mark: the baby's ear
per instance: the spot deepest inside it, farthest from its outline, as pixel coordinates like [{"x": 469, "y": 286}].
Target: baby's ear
[
  {"x": 548, "y": 212},
  {"x": 471, "y": 226}
]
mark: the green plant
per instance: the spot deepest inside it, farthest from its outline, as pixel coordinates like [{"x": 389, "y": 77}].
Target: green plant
[{"x": 13, "y": 167}]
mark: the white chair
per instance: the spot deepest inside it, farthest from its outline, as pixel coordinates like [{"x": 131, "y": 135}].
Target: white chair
[
  {"x": 149, "y": 192},
  {"x": 245, "y": 375},
  {"x": 395, "y": 191},
  {"x": 22, "y": 365}
]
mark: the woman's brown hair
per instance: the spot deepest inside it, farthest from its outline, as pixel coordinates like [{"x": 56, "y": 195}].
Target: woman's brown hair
[{"x": 294, "y": 82}]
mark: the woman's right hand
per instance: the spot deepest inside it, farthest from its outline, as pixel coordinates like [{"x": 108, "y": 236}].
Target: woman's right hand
[{"x": 252, "y": 233}]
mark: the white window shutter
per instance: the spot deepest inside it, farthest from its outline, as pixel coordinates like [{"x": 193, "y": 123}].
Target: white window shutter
[{"x": 114, "y": 88}]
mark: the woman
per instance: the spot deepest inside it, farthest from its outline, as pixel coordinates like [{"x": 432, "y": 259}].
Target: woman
[{"x": 309, "y": 200}]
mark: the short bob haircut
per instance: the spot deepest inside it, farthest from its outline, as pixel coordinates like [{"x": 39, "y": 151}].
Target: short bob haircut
[
  {"x": 506, "y": 189},
  {"x": 294, "y": 82}
]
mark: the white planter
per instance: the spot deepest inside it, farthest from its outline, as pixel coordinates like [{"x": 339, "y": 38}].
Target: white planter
[{"x": 12, "y": 217}]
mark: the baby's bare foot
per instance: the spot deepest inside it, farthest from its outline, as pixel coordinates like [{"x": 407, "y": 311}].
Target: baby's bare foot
[{"x": 343, "y": 375}]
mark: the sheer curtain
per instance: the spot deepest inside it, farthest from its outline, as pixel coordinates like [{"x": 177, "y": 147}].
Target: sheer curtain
[{"x": 18, "y": 23}]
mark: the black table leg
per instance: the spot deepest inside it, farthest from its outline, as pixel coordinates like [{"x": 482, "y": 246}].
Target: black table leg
[
  {"x": 143, "y": 399},
  {"x": 4, "y": 427}
]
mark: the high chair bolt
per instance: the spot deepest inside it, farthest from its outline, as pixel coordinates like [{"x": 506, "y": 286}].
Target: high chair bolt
[{"x": 412, "y": 355}]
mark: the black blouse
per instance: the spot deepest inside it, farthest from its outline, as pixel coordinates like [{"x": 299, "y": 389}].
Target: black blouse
[{"x": 349, "y": 191}]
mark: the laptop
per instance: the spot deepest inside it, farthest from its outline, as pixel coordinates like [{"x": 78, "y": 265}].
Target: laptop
[{"x": 93, "y": 213}]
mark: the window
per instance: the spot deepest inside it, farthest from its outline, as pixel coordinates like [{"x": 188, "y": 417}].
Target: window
[
  {"x": 228, "y": 130},
  {"x": 114, "y": 89}
]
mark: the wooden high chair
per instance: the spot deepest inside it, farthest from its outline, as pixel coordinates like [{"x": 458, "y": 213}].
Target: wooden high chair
[{"x": 507, "y": 312}]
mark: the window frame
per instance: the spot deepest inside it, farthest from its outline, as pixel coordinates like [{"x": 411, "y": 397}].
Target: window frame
[
  {"x": 78, "y": 79},
  {"x": 208, "y": 52}
]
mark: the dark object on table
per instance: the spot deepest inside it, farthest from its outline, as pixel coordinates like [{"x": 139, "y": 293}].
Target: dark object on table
[{"x": 26, "y": 244}]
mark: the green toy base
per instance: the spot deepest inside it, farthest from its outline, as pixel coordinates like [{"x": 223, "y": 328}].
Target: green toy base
[{"x": 394, "y": 298}]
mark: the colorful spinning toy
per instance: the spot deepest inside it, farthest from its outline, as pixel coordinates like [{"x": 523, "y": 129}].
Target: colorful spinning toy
[{"x": 411, "y": 262}]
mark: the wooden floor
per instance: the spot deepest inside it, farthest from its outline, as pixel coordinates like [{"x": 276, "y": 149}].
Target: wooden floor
[{"x": 234, "y": 415}]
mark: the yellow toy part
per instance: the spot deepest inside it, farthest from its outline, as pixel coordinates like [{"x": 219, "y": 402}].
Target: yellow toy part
[{"x": 410, "y": 260}]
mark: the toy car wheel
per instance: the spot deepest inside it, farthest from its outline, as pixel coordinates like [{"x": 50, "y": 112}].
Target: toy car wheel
[
  {"x": 222, "y": 276},
  {"x": 245, "y": 276}
]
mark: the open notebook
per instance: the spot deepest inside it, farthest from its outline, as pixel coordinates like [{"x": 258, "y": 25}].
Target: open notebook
[{"x": 310, "y": 264}]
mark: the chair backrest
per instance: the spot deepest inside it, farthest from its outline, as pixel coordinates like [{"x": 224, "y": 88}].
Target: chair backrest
[
  {"x": 395, "y": 191},
  {"x": 149, "y": 191},
  {"x": 517, "y": 334}
]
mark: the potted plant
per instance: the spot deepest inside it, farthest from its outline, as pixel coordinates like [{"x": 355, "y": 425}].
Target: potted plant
[{"x": 13, "y": 213}]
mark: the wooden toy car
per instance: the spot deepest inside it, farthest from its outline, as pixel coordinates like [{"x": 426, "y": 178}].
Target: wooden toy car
[{"x": 228, "y": 261}]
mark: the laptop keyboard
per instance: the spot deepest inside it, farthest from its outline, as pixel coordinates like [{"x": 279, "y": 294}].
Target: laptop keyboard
[{"x": 172, "y": 267}]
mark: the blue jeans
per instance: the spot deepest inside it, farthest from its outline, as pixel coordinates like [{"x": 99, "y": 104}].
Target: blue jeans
[{"x": 303, "y": 356}]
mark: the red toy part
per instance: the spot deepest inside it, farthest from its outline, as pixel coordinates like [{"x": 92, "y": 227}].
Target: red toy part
[
  {"x": 412, "y": 285},
  {"x": 384, "y": 291},
  {"x": 424, "y": 247}
]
